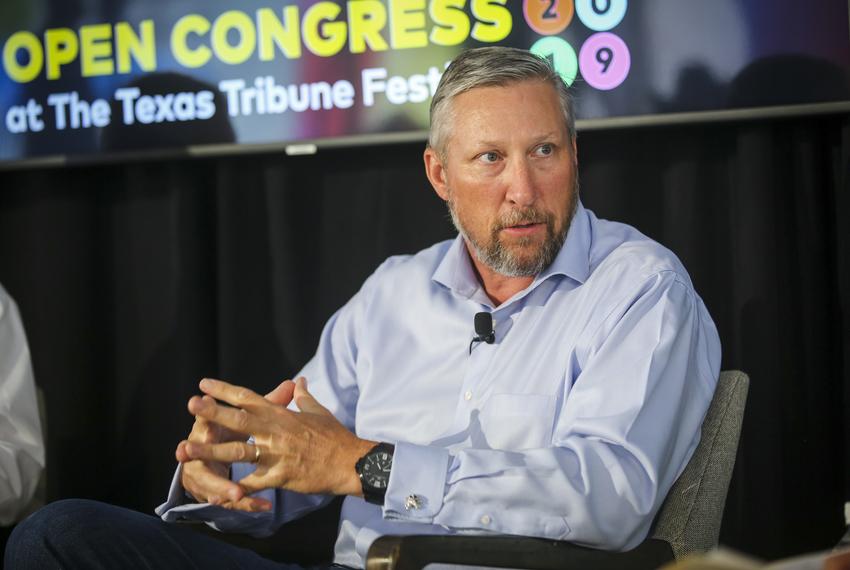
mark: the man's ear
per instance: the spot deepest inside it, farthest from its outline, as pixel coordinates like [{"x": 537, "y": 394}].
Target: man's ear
[{"x": 436, "y": 173}]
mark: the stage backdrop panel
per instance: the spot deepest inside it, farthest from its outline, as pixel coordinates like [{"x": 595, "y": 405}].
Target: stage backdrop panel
[{"x": 85, "y": 81}]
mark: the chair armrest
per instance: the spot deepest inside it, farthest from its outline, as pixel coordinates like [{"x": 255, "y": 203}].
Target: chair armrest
[{"x": 414, "y": 552}]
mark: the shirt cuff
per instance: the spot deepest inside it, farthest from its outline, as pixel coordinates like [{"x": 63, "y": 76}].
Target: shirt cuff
[
  {"x": 417, "y": 483},
  {"x": 177, "y": 495},
  {"x": 179, "y": 507}
]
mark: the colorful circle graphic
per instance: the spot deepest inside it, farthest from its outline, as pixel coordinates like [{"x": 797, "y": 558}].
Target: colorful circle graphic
[
  {"x": 601, "y": 15},
  {"x": 548, "y": 17},
  {"x": 605, "y": 61},
  {"x": 561, "y": 54}
]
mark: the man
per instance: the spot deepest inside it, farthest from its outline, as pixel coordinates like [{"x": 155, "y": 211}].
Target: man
[{"x": 570, "y": 421}]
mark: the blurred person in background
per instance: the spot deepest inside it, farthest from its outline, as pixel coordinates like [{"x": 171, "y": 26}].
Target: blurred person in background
[{"x": 21, "y": 441}]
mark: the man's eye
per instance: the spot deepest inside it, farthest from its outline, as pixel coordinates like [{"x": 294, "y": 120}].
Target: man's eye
[
  {"x": 545, "y": 149},
  {"x": 488, "y": 157}
]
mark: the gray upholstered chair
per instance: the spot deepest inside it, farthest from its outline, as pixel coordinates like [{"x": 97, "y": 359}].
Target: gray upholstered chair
[{"x": 688, "y": 521}]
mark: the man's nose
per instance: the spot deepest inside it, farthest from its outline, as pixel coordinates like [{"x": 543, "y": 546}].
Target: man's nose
[{"x": 522, "y": 189}]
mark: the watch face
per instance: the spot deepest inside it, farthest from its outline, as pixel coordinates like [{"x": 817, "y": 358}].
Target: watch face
[{"x": 376, "y": 469}]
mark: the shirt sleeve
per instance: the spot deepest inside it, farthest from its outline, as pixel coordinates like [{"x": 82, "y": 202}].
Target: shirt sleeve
[
  {"x": 21, "y": 442},
  {"x": 626, "y": 427}
]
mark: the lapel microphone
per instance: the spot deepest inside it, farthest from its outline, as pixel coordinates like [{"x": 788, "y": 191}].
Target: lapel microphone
[{"x": 484, "y": 331}]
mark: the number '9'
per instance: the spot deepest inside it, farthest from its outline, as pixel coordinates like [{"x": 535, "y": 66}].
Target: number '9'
[{"x": 605, "y": 56}]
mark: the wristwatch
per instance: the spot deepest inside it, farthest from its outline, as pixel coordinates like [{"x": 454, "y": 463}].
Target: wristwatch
[{"x": 374, "y": 472}]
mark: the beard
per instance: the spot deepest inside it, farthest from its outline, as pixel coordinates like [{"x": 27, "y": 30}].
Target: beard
[{"x": 524, "y": 257}]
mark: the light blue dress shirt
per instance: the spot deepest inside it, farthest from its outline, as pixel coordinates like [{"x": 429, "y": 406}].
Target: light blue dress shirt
[{"x": 572, "y": 425}]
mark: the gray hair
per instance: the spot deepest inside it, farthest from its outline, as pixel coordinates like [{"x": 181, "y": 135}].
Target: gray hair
[{"x": 491, "y": 66}]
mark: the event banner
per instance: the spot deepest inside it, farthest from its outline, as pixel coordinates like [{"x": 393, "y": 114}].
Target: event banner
[{"x": 84, "y": 80}]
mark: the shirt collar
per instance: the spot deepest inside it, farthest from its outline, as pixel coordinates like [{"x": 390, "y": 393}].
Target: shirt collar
[
  {"x": 456, "y": 272},
  {"x": 573, "y": 260}
]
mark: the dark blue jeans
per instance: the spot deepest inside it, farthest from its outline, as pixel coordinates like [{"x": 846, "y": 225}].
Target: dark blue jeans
[{"x": 77, "y": 533}]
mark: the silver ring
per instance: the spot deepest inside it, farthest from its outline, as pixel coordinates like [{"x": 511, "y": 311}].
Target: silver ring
[{"x": 256, "y": 454}]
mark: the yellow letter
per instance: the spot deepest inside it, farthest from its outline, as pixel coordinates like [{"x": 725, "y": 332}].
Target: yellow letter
[
  {"x": 239, "y": 21},
  {"x": 96, "y": 50},
  {"x": 452, "y": 22},
  {"x": 27, "y": 41},
  {"x": 407, "y": 24},
  {"x": 496, "y": 17},
  {"x": 366, "y": 19},
  {"x": 188, "y": 24},
  {"x": 286, "y": 36},
  {"x": 332, "y": 38},
  {"x": 143, "y": 50},
  {"x": 61, "y": 47}
]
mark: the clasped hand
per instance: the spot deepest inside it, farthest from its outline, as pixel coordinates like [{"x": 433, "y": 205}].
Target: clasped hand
[{"x": 308, "y": 451}]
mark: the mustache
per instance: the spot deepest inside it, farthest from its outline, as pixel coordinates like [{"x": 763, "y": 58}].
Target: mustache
[{"x": 522, "y": 217}]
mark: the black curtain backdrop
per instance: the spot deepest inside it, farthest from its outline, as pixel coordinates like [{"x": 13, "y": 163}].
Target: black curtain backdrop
[{"x": 136, "y": 280}]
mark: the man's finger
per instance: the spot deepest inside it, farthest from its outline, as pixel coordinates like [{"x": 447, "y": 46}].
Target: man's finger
[
  {"x": 256, "y": 481},
  {"x": 282, "y": 395},
  {"x": 249, "y": 504},
  {"x": 236, "y": 419},
  {"x": 206, "y": 485},
  {"x": 180, "y": 452},
  {"x": 231, "y": 452},
  {"x": 238, "y": 396},
  {"x": 305, "y": 401}
]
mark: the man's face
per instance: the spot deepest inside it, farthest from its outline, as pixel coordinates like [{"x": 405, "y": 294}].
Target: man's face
[{"x": 510, "y": 175}]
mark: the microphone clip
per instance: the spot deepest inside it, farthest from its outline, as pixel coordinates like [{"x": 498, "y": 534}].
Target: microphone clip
[{"x": 484, "y": 329}]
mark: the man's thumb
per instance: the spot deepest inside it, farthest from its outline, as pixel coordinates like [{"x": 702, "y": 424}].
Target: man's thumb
[
  {"x": 305, "y": 401},
  {"x": 283, "y": 394}
]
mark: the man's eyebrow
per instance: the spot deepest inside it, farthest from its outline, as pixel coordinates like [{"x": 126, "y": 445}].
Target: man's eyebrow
[
  {"x": 547, "y": 135},
  {"x": 487, "y": 143},
  {"x": 537, "y": 138}
]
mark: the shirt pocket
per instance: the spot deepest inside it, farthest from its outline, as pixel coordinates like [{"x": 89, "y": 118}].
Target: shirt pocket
[{"x": 518, "y": 421}]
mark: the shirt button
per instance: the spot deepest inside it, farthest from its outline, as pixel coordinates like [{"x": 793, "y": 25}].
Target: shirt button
[
  {"x": 485, "y": 519},
  {"x": 467, "y": 396}
]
